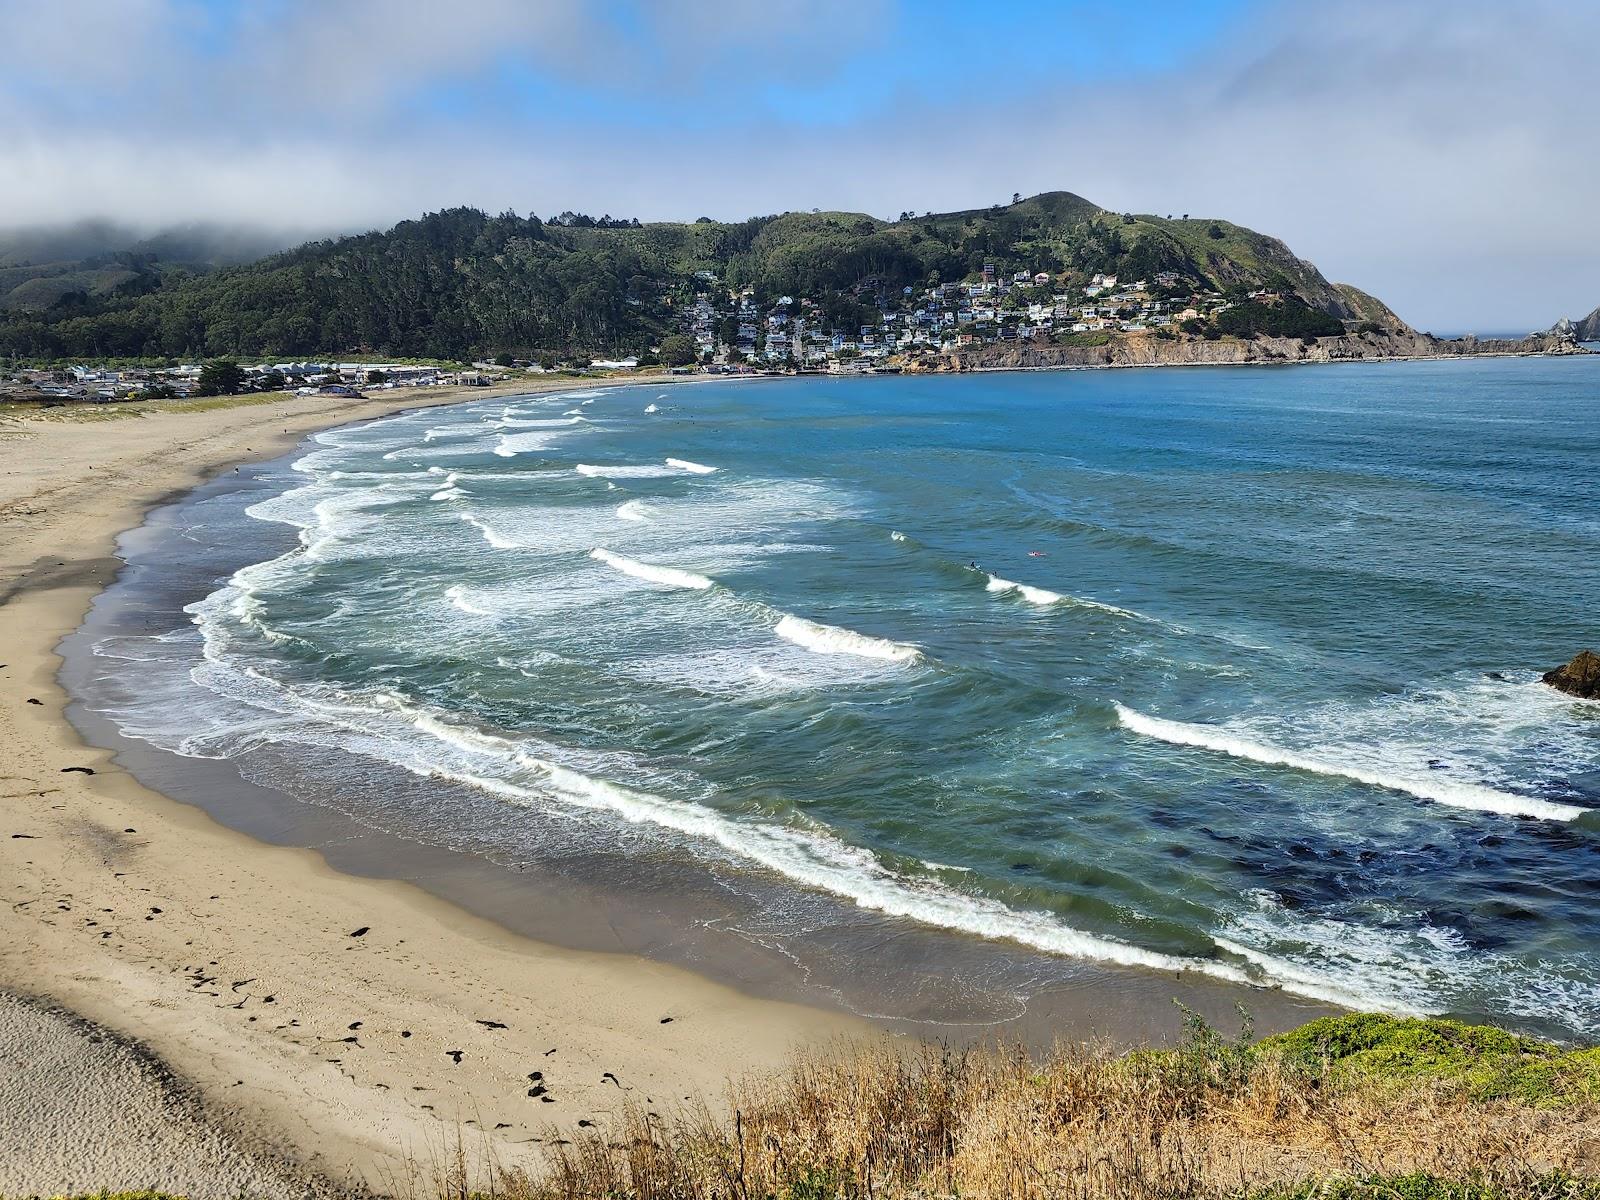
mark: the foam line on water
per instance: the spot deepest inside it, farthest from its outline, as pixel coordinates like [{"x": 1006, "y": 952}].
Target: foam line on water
[
  {"x": 496, "y": 539},
  {"x": 541, "y": 422},
  {"x": 1293, "y": 977},
  {"x": 813, "y": 858},
  {"x": 624, "y": 471},
  {"x": 666, "y": 576},
  {"x": 831, "y": 639},
  {"x": 1440, "y": 791},
  {"x": 1043, "y": 596},
  {"x": 694, "y": 468},
  {"x": 632, "y": 510}
]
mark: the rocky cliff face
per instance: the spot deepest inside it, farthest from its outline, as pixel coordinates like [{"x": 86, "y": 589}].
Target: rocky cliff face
[
  {"x": 1147, "y": 351},
  {"x": 1588, "y": 329}
]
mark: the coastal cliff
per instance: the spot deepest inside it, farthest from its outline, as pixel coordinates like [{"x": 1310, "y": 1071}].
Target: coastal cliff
[{"x": 1151, "y": 351}]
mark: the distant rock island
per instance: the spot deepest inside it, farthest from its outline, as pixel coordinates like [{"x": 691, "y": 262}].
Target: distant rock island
[{"x": 1585, "y": 330}]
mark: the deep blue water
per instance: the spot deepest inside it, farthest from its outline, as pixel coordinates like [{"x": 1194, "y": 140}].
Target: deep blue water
[{"x": 1226, "y": 670}]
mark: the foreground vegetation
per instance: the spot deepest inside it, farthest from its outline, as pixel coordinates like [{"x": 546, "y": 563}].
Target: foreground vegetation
[
  {"x": 1345, "y": 1108},
  {"x": 1360, "y": 1107}
]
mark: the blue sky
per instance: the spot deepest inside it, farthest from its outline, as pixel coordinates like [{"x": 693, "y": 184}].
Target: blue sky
[{"x": 1417, "y": 148}]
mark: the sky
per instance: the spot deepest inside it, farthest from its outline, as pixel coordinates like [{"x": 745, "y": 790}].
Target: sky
[{"x": 1441, "y": 154}]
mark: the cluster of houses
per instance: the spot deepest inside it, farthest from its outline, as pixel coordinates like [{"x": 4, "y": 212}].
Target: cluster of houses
[
  {"x": 729, "y": 327},
  {"x": 731, "y": 331},
  {"x": 93, "y": 384}
]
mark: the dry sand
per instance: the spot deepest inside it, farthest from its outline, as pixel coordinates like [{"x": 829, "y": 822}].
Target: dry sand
[{"x": 358, "y": 1027}]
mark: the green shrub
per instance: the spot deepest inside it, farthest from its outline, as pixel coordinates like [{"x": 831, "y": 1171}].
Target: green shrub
[
  {"x": 1489, "y": 1063},
  {"x": 1555, "y": 1186}
]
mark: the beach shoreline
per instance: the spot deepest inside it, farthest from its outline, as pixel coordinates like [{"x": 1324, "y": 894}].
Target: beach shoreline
[{"x": 364, "y": 1023}]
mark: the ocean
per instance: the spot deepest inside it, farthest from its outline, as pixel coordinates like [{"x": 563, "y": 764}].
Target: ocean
[{"x": 995, "y": 684}]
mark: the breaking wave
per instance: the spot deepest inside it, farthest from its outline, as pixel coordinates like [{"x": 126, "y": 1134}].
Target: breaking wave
[
  {"x": 594, "y": 471},
  {"x": 632, "y": 510},
  {"x": 830, "y": 639},
  {"x": 666, "y": 576},
  {"x": 693, "y": 468},
  {"x": 1439, "y": 791},
  {"x": 498, "y": 540},
  {"x": 459, "y": 596},
  {"x": 1033, "y": 595}
]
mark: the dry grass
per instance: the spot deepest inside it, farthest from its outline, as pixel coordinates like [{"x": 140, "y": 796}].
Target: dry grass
[{"x": 1214, "y": 1119}]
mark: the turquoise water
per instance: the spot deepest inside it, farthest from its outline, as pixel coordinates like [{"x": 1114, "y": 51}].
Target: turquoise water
[{"x": 1225, "y": 671}]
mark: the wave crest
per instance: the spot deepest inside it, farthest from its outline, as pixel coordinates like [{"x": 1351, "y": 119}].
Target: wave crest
[
  {"x": 830, "y": 639},
  {"x": 667, "y": 576},
  {"x": 1440, "y": 791}
]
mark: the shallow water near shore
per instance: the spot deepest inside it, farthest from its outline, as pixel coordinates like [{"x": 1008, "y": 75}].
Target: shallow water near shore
[{"x": 983, "y": 702}]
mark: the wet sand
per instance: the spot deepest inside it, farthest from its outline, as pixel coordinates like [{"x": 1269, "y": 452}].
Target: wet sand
[
  {"x": 359, "y": 1001},
  {"x": 358, "y": 1027}
]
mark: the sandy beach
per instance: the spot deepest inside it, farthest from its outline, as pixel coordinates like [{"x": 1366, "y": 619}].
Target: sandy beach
[{"x": 315, "y": 1025}]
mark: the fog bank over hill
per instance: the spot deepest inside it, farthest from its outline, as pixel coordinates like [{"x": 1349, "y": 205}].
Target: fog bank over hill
[{"x": 43, "y": 265}]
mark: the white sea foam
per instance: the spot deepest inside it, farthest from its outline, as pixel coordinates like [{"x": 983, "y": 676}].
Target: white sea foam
[
  {"x": 667, "y": 576},
  {"x": 1440, "y": 790},
  {"x": 449, "y": 491},
  {"x": 459, "y": 596},
  {"x": 830, "y": 639},
  {"x": 1033, "y": 595},
  {"x": 650, "y": 408},
  {"x": 572, "y": 417},
  {"x": 498, "y": 540},
  {"x": 896, "y": 535},
  {"x": 1357, "y": 993},
  {"x": 1401, "y": 956},
  {"x": 622, "y": 472},
  {"x": 814, "y": 858},
  {"x": 694, "y": 468},
  {"x": 632, "y": 510}
]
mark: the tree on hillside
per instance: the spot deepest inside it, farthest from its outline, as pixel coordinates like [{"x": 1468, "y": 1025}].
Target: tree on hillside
[
  {"x": 677, "y": 350},
  {"x": 221, "y": 378}
]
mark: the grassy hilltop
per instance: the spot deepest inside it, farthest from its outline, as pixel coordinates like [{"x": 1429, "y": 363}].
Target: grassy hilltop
[{"x": 461, "y": 282}]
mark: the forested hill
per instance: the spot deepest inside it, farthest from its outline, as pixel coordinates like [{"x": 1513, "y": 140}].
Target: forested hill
[
  {"x": 62, "y": 266},
  {"x": 460, "y": 282}
]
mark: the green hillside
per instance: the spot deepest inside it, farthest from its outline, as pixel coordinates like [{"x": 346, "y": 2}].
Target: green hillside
[{"x": 461, "y": 282}]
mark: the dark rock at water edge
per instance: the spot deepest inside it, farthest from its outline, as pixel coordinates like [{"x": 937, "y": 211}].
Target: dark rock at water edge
[{"x": 1580, "y": 677}]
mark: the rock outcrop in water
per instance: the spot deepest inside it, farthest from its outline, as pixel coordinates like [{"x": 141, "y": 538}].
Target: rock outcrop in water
[{"x": 1580, "y": 677}]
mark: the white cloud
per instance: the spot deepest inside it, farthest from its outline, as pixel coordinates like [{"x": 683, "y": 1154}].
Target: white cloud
[{"x": 1434, "y": 154}]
